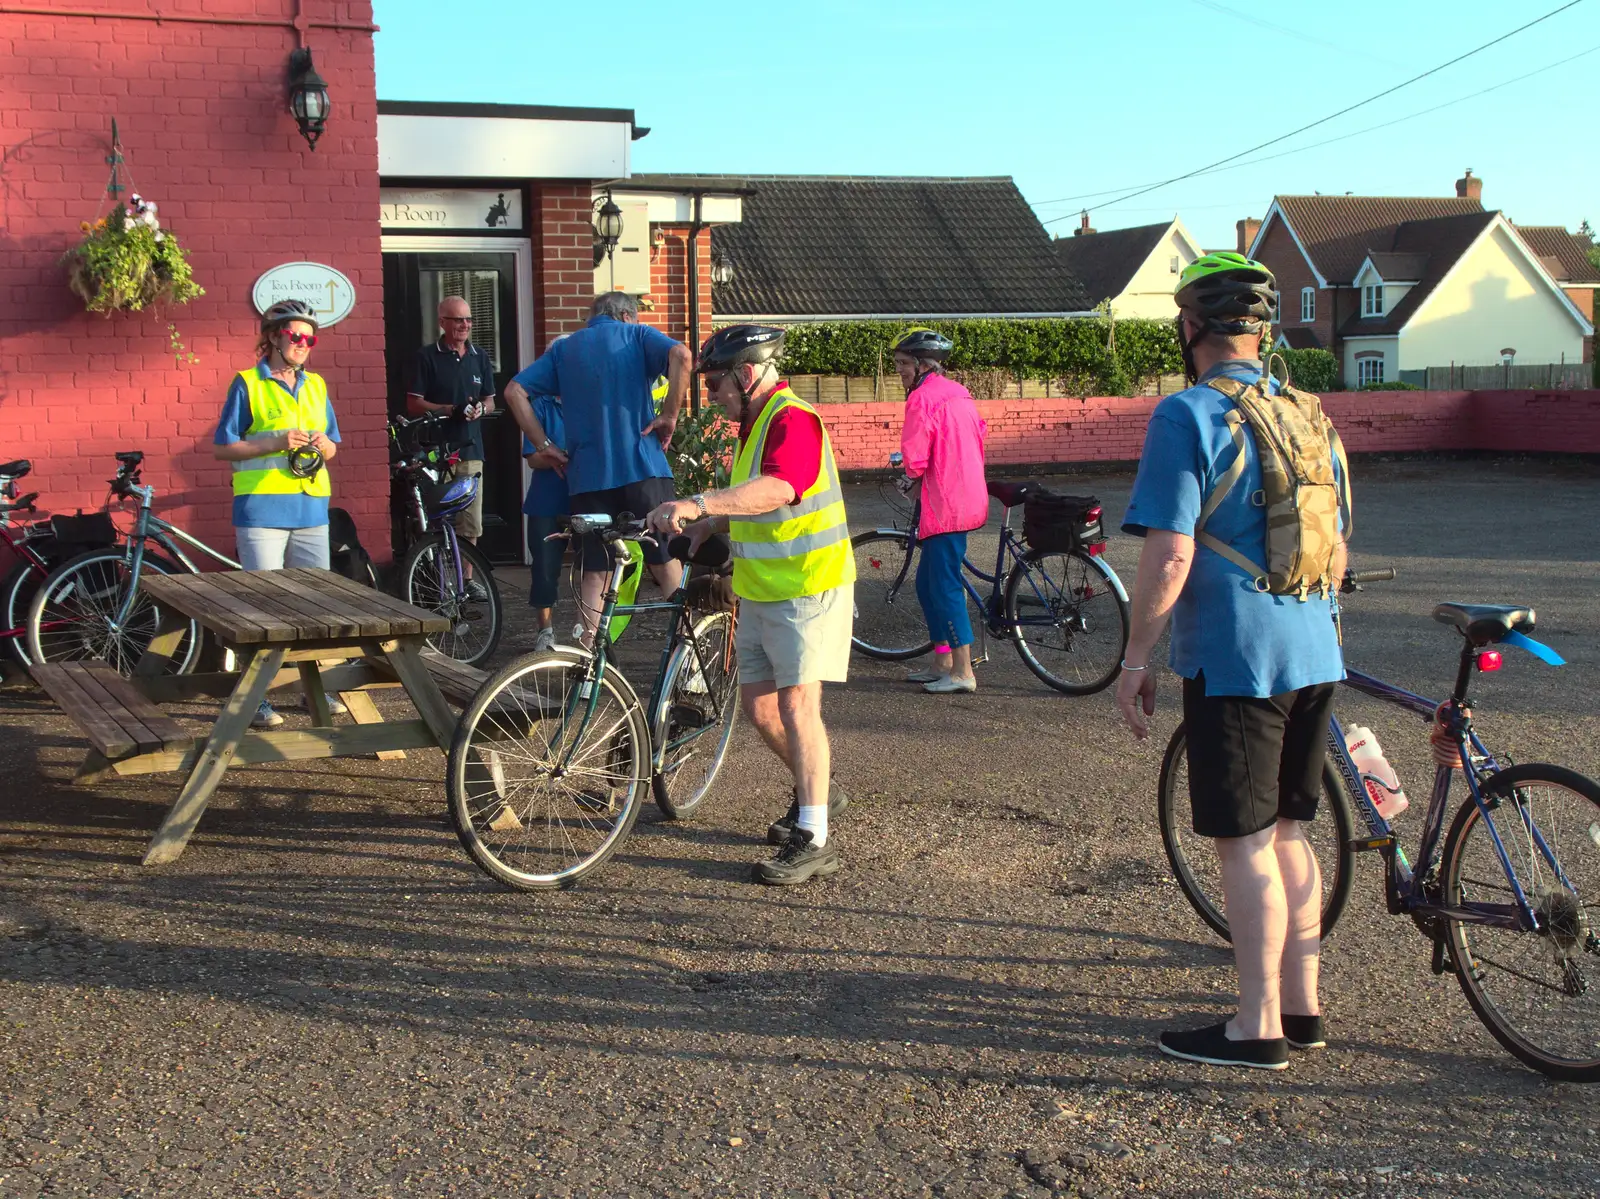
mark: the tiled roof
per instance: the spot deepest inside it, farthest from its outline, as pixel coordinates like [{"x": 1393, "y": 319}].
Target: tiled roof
[
  {"x": 1398, "y": 268},
  {"x": 1338, "y": 232},
  {"x": 860, "y": 245},
  {"x": 1570, "y": 251},
  {"x": 1104, "y": 263},
  {"x": 1438, "y": 242},
  {"x": 1301, "y": 337}
]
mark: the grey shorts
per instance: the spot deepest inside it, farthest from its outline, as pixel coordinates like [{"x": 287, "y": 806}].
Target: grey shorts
[{"x": 804, "y": 640}]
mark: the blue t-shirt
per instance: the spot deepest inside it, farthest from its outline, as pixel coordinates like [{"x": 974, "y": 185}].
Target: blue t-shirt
[
  {"x": 603, "y": 374},
  {"x": 547, "y": 491},
  {"x": 298, "y": 511},
  {"x": 1247, "y": 642}
]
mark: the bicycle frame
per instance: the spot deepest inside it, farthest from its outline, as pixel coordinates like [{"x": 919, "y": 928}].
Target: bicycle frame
[
  {"x": 150, "y": 527},
  {"x": 1408, "y": 886}
]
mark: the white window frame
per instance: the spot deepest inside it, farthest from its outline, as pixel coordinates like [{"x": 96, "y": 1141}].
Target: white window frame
[
  {"x": 1308, "y": 305},
  {"x": 1369, "y": 370},
  {"x": 1372, "y": 300},
  {"x": 1174, "y": 264}
]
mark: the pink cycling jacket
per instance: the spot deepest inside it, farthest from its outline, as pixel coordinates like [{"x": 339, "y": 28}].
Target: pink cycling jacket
[{"x": 943, "y": 446}]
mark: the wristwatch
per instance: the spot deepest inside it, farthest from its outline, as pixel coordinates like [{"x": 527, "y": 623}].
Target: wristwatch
[
  {"x": 546, "y": 444},
  {"x": 700, "y": 503}
]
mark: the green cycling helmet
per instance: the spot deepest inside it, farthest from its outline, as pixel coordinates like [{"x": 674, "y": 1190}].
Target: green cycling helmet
[{"x": 1230, "y": 293}]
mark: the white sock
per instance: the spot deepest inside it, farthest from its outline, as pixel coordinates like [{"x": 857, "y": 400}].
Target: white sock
[{"x": 814, "y": 819}]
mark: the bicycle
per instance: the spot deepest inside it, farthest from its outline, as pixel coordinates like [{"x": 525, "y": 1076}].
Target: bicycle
[
  {"x": 91, "y": 606},
  {"x": 1500, "y": 891},
  {"x": 550, "y": 759},
  {"x": 432, "y": 572},
  {"x": 1066, "y": 612}
]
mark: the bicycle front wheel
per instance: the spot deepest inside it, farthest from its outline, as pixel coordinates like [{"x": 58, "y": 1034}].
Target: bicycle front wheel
[
  {"x": 1537, "y": 991},
  {"x": 73, "y": 615},
  {"x": 1193, "y": 858},
  {"x": 542, "y": 789},
  {"x": 889, "y": 624},
  {"x": 693, "y": 720},
  {"x": 429, "y": 578},
  {"x": 16, "y": 596},
  {"x": 1068, "y": 620}
]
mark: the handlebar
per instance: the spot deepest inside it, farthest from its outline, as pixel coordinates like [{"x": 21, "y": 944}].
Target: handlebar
[{"x": 1353, "y": 579}]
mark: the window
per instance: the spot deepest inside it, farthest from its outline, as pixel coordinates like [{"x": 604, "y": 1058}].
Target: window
[
  {"x": 1308, "y": 304},
  {"x": 1372, "y": 300},
  {"x": 1174, "y": 265},
  {"x": 1369, "y": 370}
]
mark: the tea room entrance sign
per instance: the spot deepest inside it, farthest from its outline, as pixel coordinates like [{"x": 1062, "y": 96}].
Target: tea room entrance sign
[{"x": 329, "y": 292}]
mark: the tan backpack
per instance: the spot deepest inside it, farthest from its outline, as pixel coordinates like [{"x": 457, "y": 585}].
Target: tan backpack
[{"x": 1301, "y": 492}]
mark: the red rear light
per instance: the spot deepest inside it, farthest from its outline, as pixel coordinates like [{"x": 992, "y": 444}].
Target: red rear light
[
  {"x": 1098, "y": 548},
  {"x": 1093, "y": 514},
  {"x": 1488, "y": 659}
]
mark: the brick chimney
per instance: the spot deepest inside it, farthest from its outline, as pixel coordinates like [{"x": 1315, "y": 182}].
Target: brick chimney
[
  {"x": 1247, "y": 232},
  {"x": 1084, "y": 226},
  {"x": 1469, "y": 187}
]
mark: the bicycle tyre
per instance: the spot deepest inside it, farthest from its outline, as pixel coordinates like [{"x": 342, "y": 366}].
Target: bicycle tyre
[
  {"x": 1205, "y": 897},
  {"x": 86, "y": 634},
  {"x": 499, "y": 836},
  {"x": 428, "y": 581},
  {"x": 1056, "y": 589},
  {"x": 16, "y": 597},
  {"x": 1566, "y": 914},
  {"x": 889, "y": 624},
  {"x": 718, "y": 665}
]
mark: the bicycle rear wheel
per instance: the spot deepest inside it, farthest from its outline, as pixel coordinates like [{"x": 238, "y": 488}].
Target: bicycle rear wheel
[
  {"x": 73, "y": 614},
  {"x": 694, "y": 718},
  {"x": 428, "y": 580},
  {"x": 1068, "y": 620},
  {"x": 541, "y": 790},
  {"x": 16, "y": 596},
  {"x": 889, "y": 624},
  {"x": 1537, "y": 991},
  {"x": 1194, "y": 858}
]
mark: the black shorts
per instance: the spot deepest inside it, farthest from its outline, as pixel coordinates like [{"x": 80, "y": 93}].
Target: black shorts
[
  {"x": 636, "y": 499},
  {"x": 1253, "y": 761}
]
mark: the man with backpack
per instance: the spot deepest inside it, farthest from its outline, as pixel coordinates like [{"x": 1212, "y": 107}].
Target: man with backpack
[{"x": 1241, "y": 500}]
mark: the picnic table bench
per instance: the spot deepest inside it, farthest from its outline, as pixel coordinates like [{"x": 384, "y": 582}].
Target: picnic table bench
[{"x": 282, "y": 626}]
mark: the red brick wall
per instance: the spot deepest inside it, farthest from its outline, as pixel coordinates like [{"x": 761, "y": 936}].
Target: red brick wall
[
  {"x": 1278, "y": 251},
  {"x": 563, "y": 261},
  {"x": 1099, "y": 429},
  {"x": 205, "y": 130},
  {"x": 669, "y": 287}
]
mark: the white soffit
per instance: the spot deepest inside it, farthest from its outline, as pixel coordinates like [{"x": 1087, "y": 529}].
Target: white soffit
[
  {"x": 667, "y": 208},
  {"x": 476, "y": 147}
]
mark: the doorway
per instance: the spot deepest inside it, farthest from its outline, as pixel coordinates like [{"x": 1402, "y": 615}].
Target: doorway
[{"x": 494, "y": 275}]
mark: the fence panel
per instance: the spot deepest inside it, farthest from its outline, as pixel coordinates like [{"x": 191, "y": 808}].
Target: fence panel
[{"x": 1544, "y": 376}]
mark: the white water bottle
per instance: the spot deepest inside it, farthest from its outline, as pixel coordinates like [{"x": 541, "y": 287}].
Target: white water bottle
[{"x": 1382, "y": 783}]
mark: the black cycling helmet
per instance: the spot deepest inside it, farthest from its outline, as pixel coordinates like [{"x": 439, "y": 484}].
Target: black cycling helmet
[
  {"x": 738, "y": 344},
  {"x": 922, "y": 342},
  {"x": 1230, "y": 293},
  {"x": 284, "y": 311}
]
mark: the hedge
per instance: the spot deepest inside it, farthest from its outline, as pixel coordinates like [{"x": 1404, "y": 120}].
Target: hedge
[
  {"x": 1074, "y": 350},
  {"x": 1312, "y": 370}
]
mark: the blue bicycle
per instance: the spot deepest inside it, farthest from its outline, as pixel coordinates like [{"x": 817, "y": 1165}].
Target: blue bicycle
[{"x": 1509, "y": 902}]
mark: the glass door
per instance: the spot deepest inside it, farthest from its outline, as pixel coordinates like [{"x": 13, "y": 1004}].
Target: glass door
[{"x": 414, "y": 283}]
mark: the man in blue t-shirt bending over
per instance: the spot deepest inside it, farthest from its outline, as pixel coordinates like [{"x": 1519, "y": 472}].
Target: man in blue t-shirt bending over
[
  {"x": 615, "y": 453},
  {"x": 1258, "y": 672}
]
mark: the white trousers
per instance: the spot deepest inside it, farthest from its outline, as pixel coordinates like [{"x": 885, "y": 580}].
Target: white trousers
[{"x": 274, "y": 549}]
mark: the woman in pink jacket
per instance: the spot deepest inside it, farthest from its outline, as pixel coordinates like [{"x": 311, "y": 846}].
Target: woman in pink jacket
[{"x": 942, "y": 444}]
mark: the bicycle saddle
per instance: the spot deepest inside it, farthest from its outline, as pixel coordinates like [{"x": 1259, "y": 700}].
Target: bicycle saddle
[
  {"x": 15, "y": 470},
  {"x": 1011, "y": 494},
  {"x": 1484, "y": 624}
]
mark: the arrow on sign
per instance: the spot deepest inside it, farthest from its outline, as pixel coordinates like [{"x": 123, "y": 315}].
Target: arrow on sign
[{"x": 333, "y": 289}]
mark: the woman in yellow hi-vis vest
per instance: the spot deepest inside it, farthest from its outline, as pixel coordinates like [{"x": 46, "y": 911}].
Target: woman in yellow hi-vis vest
[
  {"x": 794, "y": 573},
  {"x": 279, "y": 432}
]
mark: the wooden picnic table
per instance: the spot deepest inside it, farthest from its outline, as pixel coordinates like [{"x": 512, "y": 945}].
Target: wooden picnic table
[{"x": 282, "y": 625}]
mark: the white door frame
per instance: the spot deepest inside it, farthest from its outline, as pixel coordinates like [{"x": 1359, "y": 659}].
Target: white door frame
[{"x": 522, "y": 248}]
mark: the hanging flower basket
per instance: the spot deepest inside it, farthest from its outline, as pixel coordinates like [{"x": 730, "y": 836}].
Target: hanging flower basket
[{"x": 126, "y": 262}]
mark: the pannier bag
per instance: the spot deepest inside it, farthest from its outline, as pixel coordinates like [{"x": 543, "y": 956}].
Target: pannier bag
[
  {"x": 89, "y": 532},
  {"x": 1301, "y": 491},
  {"x": 1061, "y": 523},
  {"x": 346, "y": 553}
]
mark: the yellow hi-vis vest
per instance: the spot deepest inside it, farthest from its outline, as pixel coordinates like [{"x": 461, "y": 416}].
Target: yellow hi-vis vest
[
  {"x": 273, "y": 411},
  {"x": 802, "y": 548}
]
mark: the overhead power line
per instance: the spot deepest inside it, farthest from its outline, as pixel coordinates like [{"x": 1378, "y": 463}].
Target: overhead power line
[
  {"x": 1472, "y": 95},
  {"x": 1389, "y": 91},
  {"x": 1309, "y": 39}
]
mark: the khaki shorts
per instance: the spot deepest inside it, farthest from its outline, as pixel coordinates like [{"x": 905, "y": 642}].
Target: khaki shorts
[
  {"x": 804, "y": 640},
  {"x": 469, "y": 521}
]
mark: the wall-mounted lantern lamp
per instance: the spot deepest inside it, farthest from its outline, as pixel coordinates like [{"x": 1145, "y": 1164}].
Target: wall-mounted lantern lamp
[
  {"x": 721, "y": 269},
  {"x": 308, "y": 96},
  {"x": 607, "y": 225}
]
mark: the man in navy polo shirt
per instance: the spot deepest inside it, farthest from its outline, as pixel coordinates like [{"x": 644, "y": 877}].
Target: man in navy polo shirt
[
  {"x": 455, "y": 378},
  {"x": 615, "y": 453}
]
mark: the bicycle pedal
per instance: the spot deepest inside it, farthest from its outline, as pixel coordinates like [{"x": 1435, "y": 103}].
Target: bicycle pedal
[{"x": 1365, "y": 844}]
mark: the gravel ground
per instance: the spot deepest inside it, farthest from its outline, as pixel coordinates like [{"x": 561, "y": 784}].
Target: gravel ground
[{"x": 324, "y": 996}]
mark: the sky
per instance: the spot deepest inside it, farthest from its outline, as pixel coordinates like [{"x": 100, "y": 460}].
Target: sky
[{"x": 1081, "y": 101}]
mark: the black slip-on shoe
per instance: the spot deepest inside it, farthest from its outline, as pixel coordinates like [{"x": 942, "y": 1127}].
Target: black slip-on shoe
[
  {"x": 1211, "y": 1046},
  {"x": 1304, "y": 1032},
  {"x": 797, "y": 860},
  {"x": 778, "y": 830}
]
